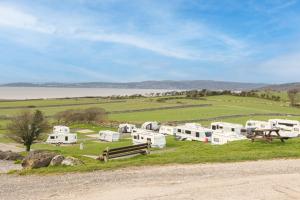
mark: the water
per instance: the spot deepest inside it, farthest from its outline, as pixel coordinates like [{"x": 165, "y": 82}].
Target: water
[{"x": 19, "y": 93}]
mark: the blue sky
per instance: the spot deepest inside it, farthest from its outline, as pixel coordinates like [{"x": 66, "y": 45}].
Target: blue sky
[{"x": 136, "y": 40}]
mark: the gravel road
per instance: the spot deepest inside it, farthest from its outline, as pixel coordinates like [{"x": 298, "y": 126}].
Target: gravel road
[{"x": 274, "y": 180}]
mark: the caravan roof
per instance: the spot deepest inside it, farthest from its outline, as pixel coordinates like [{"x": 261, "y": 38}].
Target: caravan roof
[
  {"x": 61, "y": 129},
  {"x": 226, "y": 124}
]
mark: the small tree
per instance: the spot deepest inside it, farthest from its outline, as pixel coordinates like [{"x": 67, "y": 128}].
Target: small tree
[
  {"x": 27, "y": 127},
  {"x": 292, "y": 94}
]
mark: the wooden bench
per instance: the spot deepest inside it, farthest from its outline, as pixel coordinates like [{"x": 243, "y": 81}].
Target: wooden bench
[
  {"x": 266, "y": 135},
  {"x": 125, "y": 151}
]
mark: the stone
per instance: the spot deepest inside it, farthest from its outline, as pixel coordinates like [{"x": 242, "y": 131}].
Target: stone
[
  {"x": 71, "y": 161},
  {"x": 37, "y": 159},
  {"x": 57, "y": 160},
  {"x": 9, "y": 155}
]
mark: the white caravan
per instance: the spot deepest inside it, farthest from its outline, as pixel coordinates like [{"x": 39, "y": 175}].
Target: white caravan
[
  {"x": 152, "y": 126},
  {"x": 288, "y": 128},
  {"x": 226, "y": 132},
  {"x": 254, "y": 124},
  {"x": 167, "y": 130},
  {"x": 193, "y": 131},
  {"x": 140, "y": 136},
  {"x": 109, "y": 136},
  {"x": 61, "y": 135},
  {"x": 126, "y": 128}
]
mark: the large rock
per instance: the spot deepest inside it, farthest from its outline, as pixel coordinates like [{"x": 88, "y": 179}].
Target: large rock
[
  {"x": 37, "y": 159},
  {"x": 57, "y": 160},
  {"x": 9, "y": 155},
  {"x": 71, "y": 161}
]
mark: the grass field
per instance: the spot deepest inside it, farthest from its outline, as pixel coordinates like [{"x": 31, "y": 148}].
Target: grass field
[{"x": 229, "y": 108}]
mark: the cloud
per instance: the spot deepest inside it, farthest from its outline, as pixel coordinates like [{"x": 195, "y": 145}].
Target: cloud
[
  {"x": 288, "y": 64},
  {"x": 15, "y": 18},
  {"x": 170, "y": 42}
]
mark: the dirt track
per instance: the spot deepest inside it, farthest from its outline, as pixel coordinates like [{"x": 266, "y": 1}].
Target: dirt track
[{"x": 276, "y": 180}]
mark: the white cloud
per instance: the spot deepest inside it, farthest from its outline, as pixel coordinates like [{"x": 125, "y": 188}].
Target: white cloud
[
  {"x": 15, "y": 18},
  {"x": 171, "y": 42},
  {"x": 281, "y": 67}
]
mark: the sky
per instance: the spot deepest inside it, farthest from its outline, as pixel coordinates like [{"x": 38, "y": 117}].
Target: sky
[{"x": 139, "y": 40}]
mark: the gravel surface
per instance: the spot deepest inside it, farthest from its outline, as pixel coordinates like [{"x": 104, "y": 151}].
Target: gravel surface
[
  {"x": 274, "y": 180},
  {"x": 6, "y": 166}
]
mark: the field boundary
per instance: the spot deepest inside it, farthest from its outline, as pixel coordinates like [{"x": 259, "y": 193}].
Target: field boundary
[
  {"x": 57, "y": 105},
  {"x": 234, "y": 116},
  {"x": 158, "y": 108}
]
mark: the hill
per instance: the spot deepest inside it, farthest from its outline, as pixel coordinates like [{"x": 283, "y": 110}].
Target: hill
[
  {"x": 171, "y": 85},
  {"x": 282, "y": 87}
]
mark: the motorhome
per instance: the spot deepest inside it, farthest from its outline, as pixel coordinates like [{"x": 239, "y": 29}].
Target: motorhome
[
  {"x": 61, "y": 135},
  {"x": 224, "y": 132},
  {"x": 140, "y": 136},
  {"x": 109, "y": 136},
  {"x": 167, "y": 130},
  {"x": 126, "y": 128},
  {"x": 193, "y": 131},
  {"x": 153, "y": 126},
  {"x": 288, "y": 128}
]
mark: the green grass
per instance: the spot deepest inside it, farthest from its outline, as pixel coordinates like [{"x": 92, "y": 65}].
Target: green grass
[{"x": 176, "y": 151}]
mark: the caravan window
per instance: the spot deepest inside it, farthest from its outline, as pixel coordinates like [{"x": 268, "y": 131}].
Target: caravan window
[
  {"x": 214, "y": 127},
  {"x": 197, "y": 134},
  {"x": 232, "y": 129},
  {"x": 286, "y": 124},
  {"x": 216, "y": 140},
  {"x": 66, "y": 138},
  {"x": 179, "y": 130},
  {"x": 52, "y": 137},
  {"x": 134, "y": 137},
  {"x": 188, "y": 132}
]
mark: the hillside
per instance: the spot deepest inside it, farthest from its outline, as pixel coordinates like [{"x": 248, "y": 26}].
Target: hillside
[
  {"x": 181, "y": 85},
  {"x": 282, "y": 87}
]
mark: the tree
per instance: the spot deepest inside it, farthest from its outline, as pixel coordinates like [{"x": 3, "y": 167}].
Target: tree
[
  {"x": 292, "y": 94},
  {"x": 27, "y": 127}
]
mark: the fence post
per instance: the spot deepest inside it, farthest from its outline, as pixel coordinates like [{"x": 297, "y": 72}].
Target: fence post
[{"x": 106, "y": 157}]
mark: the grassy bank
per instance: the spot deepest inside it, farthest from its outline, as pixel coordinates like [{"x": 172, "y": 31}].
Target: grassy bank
[{"x": 177, "y": 152}]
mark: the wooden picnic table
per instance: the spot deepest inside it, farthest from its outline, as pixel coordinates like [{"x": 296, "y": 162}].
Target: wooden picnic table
[{"x": 267, "y": 135}]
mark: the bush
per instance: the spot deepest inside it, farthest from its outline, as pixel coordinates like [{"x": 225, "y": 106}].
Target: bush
[{"x": 89, "y": 115}]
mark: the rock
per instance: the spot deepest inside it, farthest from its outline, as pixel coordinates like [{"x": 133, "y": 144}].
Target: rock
[
  {"x": 71, "y": 161},
  {"x": 57, "y": 160},
  {"x": 9, "y": 155},
  {"x": 37, "y": 159}
]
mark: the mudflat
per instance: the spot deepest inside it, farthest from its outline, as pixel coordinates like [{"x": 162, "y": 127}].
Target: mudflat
[{"x": 273, "y": 179}]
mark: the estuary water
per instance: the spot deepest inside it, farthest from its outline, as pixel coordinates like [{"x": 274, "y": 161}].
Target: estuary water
[{"x": 21, "y": 93}]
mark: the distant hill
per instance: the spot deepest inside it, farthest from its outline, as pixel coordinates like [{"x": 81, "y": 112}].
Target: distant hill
[
  {"x": 282, "y": 87},
  {"x": 170, "y": 85}
]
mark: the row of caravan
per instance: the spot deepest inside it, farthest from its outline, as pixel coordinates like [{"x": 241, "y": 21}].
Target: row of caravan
[
  {"x": 217, "y": 133},
  {"x": 223, "y": 132}
]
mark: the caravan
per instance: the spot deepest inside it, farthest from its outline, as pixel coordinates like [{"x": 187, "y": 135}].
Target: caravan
[
  {"x": 152, "y": 126},
  {"x": 61, "y": 135},
  {"x": 109, "y": 136},
  {"x": 252, "y": 125},
  {"x": 126, "y": 128},
  {"x": 140, "y": 136},
  {"x": 167, "y": 130},
  {"x": 193, "y": 131},
  {"x": 288, "y": 128},
  {"x": 226, "y": 132}
]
